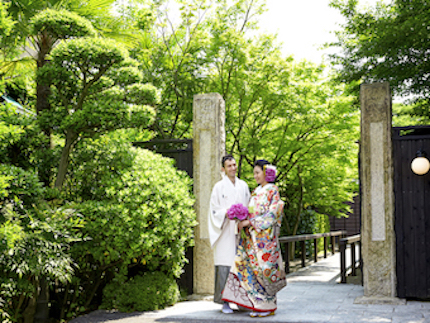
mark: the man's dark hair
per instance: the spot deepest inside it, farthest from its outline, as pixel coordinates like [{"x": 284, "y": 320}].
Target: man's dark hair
[{"x": 225, "y": 158}]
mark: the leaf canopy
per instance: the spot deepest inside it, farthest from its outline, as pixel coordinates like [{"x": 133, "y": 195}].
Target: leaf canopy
[{"x": 386, "y": 43}]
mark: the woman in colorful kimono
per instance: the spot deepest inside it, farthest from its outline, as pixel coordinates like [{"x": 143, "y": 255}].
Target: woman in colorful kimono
[{"x": 257, "y": 273}]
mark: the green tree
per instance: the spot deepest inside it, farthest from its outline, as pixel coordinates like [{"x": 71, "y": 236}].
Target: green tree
[
  {"x": 88, "y": 65},
  {"x": 40, "y": 25},
  {"x": 290, "y": 113},
  {"x": 300, "y": 121},
  {"x": 386, "y": 43},
  {"x": 95, "y": 89},
  {"x": 173, "y": 57}
]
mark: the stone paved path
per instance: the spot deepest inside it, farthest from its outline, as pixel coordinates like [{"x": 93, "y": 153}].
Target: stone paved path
[{"x": 313, "y": 295}]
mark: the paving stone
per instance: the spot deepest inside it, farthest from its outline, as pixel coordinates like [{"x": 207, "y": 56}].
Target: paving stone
[
  {"x": 300, "y": 302},
  {"x": 408, "y": 320}
]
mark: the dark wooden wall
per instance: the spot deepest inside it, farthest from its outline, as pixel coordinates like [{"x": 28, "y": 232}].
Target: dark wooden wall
[
  {"x": 181, "y": 150},
  {"x": 352, "y": 223},
  {"x": 412, "y": 214}
]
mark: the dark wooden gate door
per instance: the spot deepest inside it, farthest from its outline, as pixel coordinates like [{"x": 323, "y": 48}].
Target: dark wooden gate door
[
  {"x": 181, "y": 150},
  {"x": 412, "y": 213}
]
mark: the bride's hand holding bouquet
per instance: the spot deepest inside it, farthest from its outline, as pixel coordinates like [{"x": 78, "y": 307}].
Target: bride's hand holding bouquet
[{"x": 239, "y": 212}]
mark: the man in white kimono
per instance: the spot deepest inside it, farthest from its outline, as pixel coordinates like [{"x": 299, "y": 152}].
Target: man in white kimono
[{"x": 222, "y": 231}]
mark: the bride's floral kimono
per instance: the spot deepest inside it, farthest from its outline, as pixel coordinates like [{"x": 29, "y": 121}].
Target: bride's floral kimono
[{"x": 257, "y": 273}]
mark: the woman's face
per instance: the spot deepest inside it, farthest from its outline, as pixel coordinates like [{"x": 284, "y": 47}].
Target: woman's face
[{"x": 259, "y": 176}]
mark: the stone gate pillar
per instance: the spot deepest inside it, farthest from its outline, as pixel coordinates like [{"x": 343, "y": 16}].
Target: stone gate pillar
[
  {"x": 208, "y": 147},
  {"x": 377, "y": 209}
]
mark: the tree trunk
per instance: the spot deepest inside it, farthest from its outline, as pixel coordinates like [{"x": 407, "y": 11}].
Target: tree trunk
[
  {"x": 43, "y": 91},
  {"x": 42, "y": 306},
  {"x": 299, "y": 212},
  {"x": 30, "y": 309},
  {"x": 71, "y": 138}
]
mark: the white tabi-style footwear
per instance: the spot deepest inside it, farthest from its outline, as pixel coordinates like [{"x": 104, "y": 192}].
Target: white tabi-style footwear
[{"x": 226, "y": 309}]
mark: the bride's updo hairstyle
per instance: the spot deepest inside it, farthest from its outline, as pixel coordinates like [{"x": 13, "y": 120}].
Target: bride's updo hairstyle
[{"x": 262, "y": 163}]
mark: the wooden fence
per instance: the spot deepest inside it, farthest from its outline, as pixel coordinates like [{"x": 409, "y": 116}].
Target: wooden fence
[
  {"x": 305, "y": 237},
  {"x": 356, "y": 262}
]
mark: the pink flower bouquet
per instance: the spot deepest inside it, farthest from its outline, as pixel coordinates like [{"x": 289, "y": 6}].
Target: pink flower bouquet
[{"x": 237, "y": 211}]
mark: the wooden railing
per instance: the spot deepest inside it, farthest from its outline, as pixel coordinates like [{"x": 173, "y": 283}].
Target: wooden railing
[
  {"x": 355, "y": 262},
  {"x": 305, "y": 237}
]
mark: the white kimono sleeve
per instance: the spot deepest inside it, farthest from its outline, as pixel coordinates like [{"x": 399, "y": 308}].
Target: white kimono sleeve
[{"x": 216, "y": 216}]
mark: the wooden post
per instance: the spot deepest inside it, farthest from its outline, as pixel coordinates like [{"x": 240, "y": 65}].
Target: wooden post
[
  {"x": 353, "y": 272},
  {"x": 287, "y": 257},
  {"x": 361, "y": 262},
  {"x": 360, "y": 256},
  {"x": 316, "y": 250},
  {"x": 342, "y": 247},
  {"x": 325, "y": 247},
  {"x": 303, "y": 253}
]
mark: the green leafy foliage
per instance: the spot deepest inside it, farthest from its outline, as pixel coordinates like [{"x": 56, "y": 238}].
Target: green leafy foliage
[
  {"x": 293, "y": 114},
  {"x": 21, "y": 139},
  {"x": 385, "y": 43},
  {"x": 6, "y": 22},
  {"x": 175, "y": 60},
  {"x": 310, "y": 222},
  {"x": 86, "y": 87},
  {"x": 149, "y": 292},
  {"x": 61, "y": 24},
  {"x": 23, "y": 188},
  {"x": 8, "y": 41},
  {"x": 34, "y": 242},
  {"x": 10, "y": 131},
  {"x": 33, "y": 248},
  {"x": 138, "y": 208},
  {"x": 138, "y": 212},
  {"x": 6, "y": 25},
  {"x": 410, "y": 114},
  {"x": 85, "y": 101}
]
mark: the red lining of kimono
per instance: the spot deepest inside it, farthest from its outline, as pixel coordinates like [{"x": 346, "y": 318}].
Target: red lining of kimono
[{"x": 250, "y": 308}]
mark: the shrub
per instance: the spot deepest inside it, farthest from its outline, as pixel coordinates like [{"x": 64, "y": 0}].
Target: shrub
[
  {"x": 34, "y": 244},
  {"x": 138, "y": 208},
  {"x": 138, "y": 212},
  {"x": 152, "y": 291}
]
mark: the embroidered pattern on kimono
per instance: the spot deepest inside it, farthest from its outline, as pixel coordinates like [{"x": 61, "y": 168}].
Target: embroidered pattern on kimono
[{"x": 257, "y": 273}]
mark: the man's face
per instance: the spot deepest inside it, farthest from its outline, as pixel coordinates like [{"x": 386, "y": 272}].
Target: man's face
[{"x": 230, "y": 168}]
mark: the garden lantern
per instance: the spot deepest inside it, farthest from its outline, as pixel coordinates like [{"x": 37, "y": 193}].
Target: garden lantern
[{"x": 420, "y": 165}]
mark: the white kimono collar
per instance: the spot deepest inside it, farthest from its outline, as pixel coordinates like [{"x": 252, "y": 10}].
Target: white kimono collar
[
  {"x": 265, "y": 187},
  {"x": 227, "y": 179}
]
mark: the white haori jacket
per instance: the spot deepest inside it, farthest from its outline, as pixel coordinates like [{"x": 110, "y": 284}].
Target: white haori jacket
[{"x": 222, "y": 231}]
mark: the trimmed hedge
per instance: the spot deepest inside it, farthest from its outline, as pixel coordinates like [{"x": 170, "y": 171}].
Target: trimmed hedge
[{"x": 152, "y": 291}]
